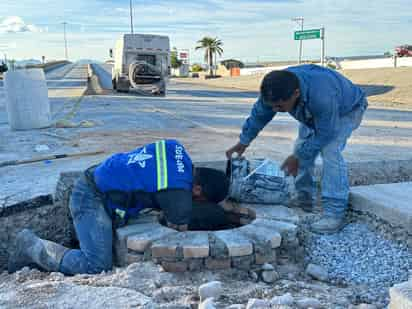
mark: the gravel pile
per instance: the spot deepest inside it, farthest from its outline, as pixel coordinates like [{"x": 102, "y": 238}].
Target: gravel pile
[{"x": 358, "y": 256}]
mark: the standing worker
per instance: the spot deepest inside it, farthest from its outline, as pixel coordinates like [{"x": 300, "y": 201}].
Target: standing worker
[
  {"x": 158, "y": 175},
  {"x": 329, "y": 108}
]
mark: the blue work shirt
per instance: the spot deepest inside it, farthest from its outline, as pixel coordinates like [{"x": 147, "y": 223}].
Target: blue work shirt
[{"x": 325, "y": 96}]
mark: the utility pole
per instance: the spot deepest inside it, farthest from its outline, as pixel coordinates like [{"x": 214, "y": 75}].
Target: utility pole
[
  {"x": 299, "y": 20},
  {"x": 131, "y": 16},
  {"x": 65, "y": 41}
]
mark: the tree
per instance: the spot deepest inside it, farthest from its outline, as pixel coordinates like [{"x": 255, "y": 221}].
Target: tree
[
  {"x": 174, "y": 61},
  {"x": 211, "y": 47}
]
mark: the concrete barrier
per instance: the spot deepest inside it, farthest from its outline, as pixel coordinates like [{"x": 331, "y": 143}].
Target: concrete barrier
[
  {"x": 376, "y": 63},
  {"x": 27, "y": 101}
]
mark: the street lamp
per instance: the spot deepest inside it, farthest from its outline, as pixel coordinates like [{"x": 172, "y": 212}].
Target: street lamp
[
  {"x": 65, "y": 41},
  {"x": 299, "y": 20},
  {"x": 131, "y": 16}
]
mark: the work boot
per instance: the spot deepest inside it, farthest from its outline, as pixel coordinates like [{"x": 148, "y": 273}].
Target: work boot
[
  {"x": 302, "y": 201},
  {"x": 328, "y": 225},
  {"x": 32, "y": 250}
]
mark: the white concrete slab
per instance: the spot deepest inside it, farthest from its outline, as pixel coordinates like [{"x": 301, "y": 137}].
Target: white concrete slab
[{"x": 390, "y": 202}]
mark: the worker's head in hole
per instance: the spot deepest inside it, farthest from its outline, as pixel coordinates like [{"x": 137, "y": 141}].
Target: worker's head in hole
[
  {"x": 209, "y": 185},
  {"x": 280, "y": 91}
]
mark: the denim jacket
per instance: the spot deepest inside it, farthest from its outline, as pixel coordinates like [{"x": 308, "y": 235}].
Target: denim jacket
[{"x": 325, "y": 96}]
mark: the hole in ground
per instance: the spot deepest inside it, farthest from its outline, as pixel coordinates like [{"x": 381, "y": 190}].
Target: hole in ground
[{"x": 214, "y": 217}]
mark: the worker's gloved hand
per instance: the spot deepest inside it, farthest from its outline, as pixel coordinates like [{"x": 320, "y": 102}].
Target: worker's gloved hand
[
  {"x": 238, "y": 148},
  {"x": 291, "y": 165}
]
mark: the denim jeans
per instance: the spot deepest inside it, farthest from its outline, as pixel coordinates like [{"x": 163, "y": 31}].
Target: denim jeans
[
  {"x": 334, "y": 182},
  {"x": 94, "y": 231}
]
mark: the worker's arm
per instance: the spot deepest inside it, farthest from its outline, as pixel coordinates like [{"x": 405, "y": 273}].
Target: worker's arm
[
  {"x": 325, "y": 111},
  {"x": 260, "y": 115},
  {"x": 176, "y": 205}
]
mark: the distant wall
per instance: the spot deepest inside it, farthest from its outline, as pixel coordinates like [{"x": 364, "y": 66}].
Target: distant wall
[{"x": 344, "y": 64}]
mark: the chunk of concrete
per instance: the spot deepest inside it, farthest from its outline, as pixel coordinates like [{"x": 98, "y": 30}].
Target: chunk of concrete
[
  {"x": 317, "y": 272},
  {"x": 287, "y": 230},
  {"x": 390, "y": 202},
  {"x": 283, "y": 300},
  {"x": 207, "y": 304},
  {"x": 401, "y": 296},
  {"x": 236, "y": 243},
  {"x": 211, "y": 289},
  {"x": 122, "y": 234},
  {"x": 261, "y": 233},
  {"x": 194, "y": 244},
  {"x": 143, "y": 238},
  {"x": 270, "y": 276},
  {"x": 255, "y": 303}
]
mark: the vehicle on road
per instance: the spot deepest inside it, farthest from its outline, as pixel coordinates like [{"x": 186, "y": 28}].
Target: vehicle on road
[
  {"x": 3, "y": 67},
  {"x": 404, "y": 50},
  {"x": 141, "y": 64}
]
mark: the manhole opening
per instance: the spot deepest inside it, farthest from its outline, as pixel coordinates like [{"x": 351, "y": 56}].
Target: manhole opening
[{"x": 214, "y": 217}]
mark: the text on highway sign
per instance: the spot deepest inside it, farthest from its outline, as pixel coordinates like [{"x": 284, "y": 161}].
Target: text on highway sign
[{"x": 308, "y": 34}]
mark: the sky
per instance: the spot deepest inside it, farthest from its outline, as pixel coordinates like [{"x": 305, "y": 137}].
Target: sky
[{"x": 251, "y": 31}]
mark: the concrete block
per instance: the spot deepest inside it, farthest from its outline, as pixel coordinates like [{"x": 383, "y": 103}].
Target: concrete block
[
  {"x": 277, "y": 212},
  {"x": 389, "y": 202},
  {"x": 211, "y": 289},
  {"x": 216, "y": 263},
  {"x": 401, "y": 296},
  {"x": 130, "y": 229},
  {"x": 288, "y": 231},
  {"x": 163, "y": 250},
  {"x": 261, "y": 259},
  {"x": 194, "y": 245},
  {"x": 243, "y": 262},
  {"x": 140, "y": 241},
  {"x": 134, "y": 258},
  {"x": 261, "y": 233},
  {"x": 195, "y": 264},
  {"x": 236, "y": 243},
  {"x": 174, "y": 267}
]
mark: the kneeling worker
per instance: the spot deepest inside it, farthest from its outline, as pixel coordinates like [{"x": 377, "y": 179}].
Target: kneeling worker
[{"x": 158, "y": 175}]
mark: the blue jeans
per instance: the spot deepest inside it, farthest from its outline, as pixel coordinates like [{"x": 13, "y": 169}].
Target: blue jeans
[
  {"x": 93, "y": 229},
  {"x": 335, "y": 182}
]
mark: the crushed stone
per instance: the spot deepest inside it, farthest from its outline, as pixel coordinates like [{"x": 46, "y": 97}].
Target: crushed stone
[{"x": 359, "y": 257}]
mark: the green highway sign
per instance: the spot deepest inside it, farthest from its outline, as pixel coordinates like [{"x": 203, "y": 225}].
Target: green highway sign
[{"x": 308, "y": 34}]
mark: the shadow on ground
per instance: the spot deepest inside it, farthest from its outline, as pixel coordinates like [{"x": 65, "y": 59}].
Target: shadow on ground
[
  {"x": 371, "y": 90},
  {"x": 216, "y": 93}
]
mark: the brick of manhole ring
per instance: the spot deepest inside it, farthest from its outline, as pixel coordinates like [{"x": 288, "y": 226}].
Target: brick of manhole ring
[{"x": 219, "y": 237}]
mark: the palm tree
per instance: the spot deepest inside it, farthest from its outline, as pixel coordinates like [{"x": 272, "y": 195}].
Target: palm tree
[{"x": 211, "y": 47}]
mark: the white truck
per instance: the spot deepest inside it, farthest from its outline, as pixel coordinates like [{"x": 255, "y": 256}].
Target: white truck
[{"x": 141, "y": 64}]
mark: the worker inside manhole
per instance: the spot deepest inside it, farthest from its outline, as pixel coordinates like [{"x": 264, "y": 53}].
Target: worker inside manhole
[{"x": 212, "y": 217}]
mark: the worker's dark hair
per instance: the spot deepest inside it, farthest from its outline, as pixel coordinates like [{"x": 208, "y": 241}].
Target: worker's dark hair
[
  {"x": 214, "y": 183},
  {"x": 278, "y": 85}
]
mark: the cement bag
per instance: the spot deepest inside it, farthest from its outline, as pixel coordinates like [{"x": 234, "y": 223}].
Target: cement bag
[
  {"x": 27, "y": 99},
  {"x": 257, "y": 181}
]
